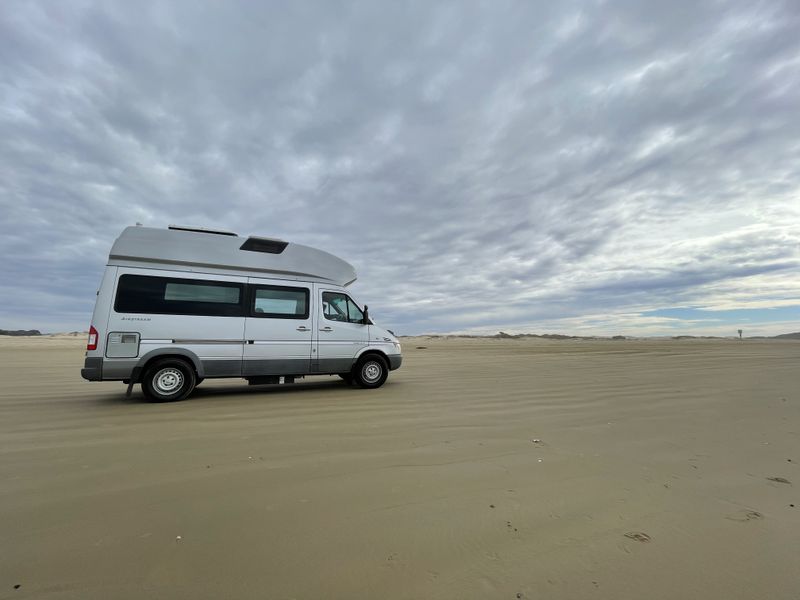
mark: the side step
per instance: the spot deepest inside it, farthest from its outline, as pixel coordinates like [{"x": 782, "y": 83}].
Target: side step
[{"x": 270, "y": 379}]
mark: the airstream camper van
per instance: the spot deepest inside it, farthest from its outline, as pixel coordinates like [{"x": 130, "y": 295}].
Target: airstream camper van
[{"x": 180, "y": 305}]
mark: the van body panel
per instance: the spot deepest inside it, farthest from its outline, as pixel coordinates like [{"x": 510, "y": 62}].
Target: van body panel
[
  {"x": 276, "y": 366},
  {"x": 213, "y": 343},
  {"x": 220, "y": 368},
  {"x": 102, "y": 309},
  {"x": 117, "y": 369}
]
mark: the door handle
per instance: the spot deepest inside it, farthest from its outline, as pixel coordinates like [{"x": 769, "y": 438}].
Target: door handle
[
  {"x": 303, "y": 328},
  {"x": 326, "y": 328}
]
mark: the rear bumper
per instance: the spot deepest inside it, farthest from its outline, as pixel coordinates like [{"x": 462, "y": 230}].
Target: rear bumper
[
  {"x": 98, "y": 368},
  {"x": 92, "y": 368},
  {"x": 395, "y": 361}
]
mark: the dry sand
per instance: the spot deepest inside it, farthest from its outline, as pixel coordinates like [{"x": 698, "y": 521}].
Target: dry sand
[{"x": 650, "y": 479}]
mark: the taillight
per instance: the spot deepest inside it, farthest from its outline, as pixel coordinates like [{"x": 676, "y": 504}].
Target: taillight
[{"x": 92, "y": 343}]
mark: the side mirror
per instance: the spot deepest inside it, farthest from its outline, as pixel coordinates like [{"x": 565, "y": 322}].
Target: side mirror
[{"x": 365, "y": 321}]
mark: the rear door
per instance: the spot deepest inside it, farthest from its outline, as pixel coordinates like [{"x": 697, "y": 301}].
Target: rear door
[
  {"x": 278, "y": 328},
  {"x": 340, "y": 332}
]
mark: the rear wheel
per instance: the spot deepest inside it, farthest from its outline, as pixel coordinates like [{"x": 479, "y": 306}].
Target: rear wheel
[
  {"x": 371, "y": 371},
  {"x": 168, "y": 380}
]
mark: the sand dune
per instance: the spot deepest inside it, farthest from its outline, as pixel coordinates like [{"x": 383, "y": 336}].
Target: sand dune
[{"x": 482, "y": 469}]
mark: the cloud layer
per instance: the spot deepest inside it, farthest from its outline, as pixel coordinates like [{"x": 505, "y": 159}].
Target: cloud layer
[{"x": 506, "y": 165}]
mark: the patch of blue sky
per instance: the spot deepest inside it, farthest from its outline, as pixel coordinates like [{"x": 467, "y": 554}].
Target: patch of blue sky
[{"x": 738, "y": 315}]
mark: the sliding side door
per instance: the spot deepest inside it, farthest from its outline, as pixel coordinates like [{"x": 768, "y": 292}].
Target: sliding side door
[{"x": 278, "y": 328}]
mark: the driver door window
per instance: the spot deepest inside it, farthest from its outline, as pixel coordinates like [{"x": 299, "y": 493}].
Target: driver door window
[{"x": 339, "y": 307}]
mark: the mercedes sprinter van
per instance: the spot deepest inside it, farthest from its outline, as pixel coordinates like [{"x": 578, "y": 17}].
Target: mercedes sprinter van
[{"x": 180, "y": 305}]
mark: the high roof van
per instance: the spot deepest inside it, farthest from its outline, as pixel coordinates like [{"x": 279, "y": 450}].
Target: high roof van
[{"x": 179, "y": 305}]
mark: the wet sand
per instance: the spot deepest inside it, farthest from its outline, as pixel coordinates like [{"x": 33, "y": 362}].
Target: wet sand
[{"x": 482, "y": 469}]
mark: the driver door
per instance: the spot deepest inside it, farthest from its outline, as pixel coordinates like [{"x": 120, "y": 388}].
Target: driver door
[{"x": 341, "y": 333}]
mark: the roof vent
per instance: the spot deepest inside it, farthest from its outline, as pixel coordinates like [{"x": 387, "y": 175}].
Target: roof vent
[
  {"x": 202, "y": 230},
  {"x": 256, "y": 244}
]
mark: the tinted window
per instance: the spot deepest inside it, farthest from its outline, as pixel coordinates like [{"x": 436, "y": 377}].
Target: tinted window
[
  {"x": 196, "y": 292},
  {"x": 339, "y": 307},
  {"x": 280, "y": 302},
  {"x": 170, "y": 296}
]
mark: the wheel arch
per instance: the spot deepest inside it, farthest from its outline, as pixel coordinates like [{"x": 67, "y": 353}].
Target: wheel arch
[
  {"x": 181, "y": 353},
  {"x": 368, "y": 351}
]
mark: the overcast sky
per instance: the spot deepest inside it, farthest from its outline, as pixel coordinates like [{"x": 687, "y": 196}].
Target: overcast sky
[{"x": 580, "y": 167}]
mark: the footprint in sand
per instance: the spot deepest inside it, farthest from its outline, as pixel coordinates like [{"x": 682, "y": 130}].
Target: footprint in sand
[
  {"x": 394, "y": 561},
  {"x": 638, "y": 536},
  {"x": 745, "y": 515},
  {"x": 779, "y": 480}
]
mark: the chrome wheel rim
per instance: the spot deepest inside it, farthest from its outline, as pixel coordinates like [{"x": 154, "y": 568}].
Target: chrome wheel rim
[
  {"x": 371, "y": 372},
  {"x": 168, "y": 380}
]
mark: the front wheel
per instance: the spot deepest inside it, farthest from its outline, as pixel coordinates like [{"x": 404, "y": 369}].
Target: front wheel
[
  {"x": 371, "y": 372},
  {"x": 168, "y": 380}
]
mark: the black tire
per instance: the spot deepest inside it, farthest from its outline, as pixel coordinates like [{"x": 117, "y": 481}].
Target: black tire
[
  {"x": 371, "y": 371},
  {"x": 347, "y": 378},
  {"x": 168, "y": 380}
]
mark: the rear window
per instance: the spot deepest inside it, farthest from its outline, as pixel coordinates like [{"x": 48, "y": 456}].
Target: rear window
[{"x": 170, "y": 296}]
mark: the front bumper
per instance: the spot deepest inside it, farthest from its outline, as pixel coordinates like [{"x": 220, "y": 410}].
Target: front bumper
[
  {"x": 92, "y": 368},
  {"x": 395, "y": 361}
]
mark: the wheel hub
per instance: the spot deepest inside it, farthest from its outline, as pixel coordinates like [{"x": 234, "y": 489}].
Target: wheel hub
[
  {"x": 168, "y": 380},
  {"x": 371, "y": 371}
]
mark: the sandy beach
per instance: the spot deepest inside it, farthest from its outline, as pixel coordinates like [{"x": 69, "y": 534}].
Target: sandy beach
[{"x": 483, "y": 469}]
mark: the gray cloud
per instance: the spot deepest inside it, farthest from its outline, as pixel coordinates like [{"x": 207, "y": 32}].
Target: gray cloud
[{"x": 482, "y": 164}]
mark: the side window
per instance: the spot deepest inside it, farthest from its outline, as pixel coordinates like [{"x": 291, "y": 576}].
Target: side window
[
  {"x": 334, "y": 306},
  {"x": 172, "y": 296},
  {"x": 197, "y": 292},
  {"x": 279, "y": 302},
  {"x": 339, "y": 307}
]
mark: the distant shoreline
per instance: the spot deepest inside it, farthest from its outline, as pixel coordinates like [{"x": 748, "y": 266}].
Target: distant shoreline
[
  {"x": 37, "y": 333},
  {"x": 20, "y": 332},
  {"x": 501, "y": 335},
  {"x": 558, "y": 336}
]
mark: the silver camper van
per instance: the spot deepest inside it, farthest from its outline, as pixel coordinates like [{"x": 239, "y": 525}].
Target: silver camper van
[{"x": 179, "y": 305}]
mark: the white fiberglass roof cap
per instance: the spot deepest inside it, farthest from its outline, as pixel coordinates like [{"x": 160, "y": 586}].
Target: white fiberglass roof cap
[{"x": 192, "y": 249}]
